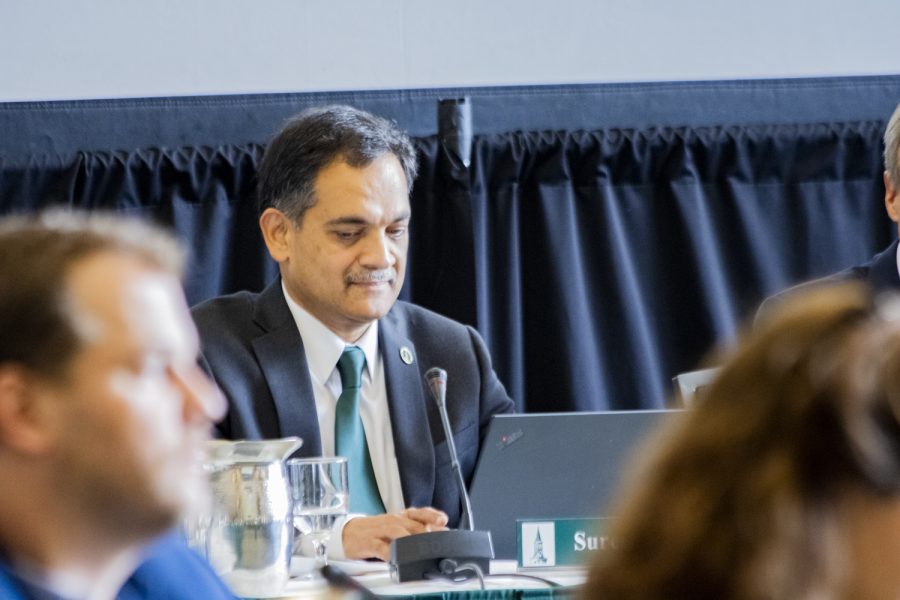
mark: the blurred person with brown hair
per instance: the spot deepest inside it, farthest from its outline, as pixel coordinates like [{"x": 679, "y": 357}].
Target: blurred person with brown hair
[
  {"x": 784, "y": 481},
  {"x": 104, "y": 413}
]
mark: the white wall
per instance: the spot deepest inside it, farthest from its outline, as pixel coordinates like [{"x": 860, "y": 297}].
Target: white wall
[{"x": 63, "y": 49}]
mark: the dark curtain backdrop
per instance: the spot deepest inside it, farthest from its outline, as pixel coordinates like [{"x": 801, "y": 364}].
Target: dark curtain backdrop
[
  {"x": 609, "y": 261},
  {"x": 597, "y": 262}
]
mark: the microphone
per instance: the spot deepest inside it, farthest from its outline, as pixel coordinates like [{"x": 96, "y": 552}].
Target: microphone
[
  {"x": 424, "y": 555},
  {"x": 437, "y": 383}
]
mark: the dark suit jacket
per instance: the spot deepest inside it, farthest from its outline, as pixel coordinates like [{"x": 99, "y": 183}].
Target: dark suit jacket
[
  {"x": 253, "y": 350},
  {"x": 880, "y": 274},
  {"x": 170, "y": 571}
]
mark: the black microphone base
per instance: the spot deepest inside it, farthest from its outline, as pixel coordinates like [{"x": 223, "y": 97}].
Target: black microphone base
[{"x": 417, "y": 557}]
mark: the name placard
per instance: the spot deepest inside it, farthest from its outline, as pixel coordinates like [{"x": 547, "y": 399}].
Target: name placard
[{"x": 547, "y": 543}]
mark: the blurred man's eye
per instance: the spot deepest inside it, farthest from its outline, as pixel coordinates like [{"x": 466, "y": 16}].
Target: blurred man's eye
[{"x": 154, "y": 364}]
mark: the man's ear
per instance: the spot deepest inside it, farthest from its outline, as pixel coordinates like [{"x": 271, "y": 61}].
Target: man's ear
[
  {"x": 891, "y": 199},
  {"x": 276, "y": 229},
  {"x": 24, "y": 424}
]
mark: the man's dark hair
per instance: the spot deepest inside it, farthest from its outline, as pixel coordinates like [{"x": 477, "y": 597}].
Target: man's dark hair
[
  {"x": 315, "y": 139},
  {"x": 38, "y": 328}
]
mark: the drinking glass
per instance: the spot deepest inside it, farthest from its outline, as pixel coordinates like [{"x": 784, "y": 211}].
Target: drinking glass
[{"x": 319, "y": 496}]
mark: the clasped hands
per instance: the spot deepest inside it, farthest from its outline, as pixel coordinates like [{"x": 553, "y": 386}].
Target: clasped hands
[{"x": 370, "y": 537}]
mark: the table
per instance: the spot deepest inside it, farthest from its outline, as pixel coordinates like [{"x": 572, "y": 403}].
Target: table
[{"x": 503, "y": 583}]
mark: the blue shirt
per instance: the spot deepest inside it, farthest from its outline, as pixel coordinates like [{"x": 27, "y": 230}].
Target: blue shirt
[{"x": 170, "y": 571}]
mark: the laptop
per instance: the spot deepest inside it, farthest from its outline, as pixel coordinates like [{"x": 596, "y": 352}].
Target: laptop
[{"x": 552, "y": 465}]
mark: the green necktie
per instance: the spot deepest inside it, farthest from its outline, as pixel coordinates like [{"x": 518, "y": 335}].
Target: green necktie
[{"x": 350, "y": 437}]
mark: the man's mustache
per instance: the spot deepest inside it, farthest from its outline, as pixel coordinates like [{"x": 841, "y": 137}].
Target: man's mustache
[{"x": 381, "y": 276}]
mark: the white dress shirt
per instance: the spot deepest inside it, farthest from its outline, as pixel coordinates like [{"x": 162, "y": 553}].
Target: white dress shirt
[
  {"x": 323, "y": 349},
  {"x": 898, "y": 260}
]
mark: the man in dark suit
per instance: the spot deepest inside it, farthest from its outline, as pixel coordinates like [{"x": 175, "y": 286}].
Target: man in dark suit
[
  {"x": 103, "y": 414},
  {"x": 327, "y": 353},
  {"x": 883, "y": 271}
]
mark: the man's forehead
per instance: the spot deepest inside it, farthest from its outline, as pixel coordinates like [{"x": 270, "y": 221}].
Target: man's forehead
[
  {"x": 339, "y": 171},
  {"x": 109, "y": 290},
  {"x": 340, "y": 188}
]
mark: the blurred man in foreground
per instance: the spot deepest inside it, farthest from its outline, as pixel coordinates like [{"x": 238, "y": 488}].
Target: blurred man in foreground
[{"x": 103, "y": 413}]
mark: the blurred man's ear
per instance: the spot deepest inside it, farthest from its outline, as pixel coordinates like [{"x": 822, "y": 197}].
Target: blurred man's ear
[
  {"x": 23, "y": 414},
  {"x": 891, "y": 199},
  {"x": 276, "y": 229}
]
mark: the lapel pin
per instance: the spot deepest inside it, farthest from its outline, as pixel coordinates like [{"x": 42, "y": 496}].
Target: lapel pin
[{"x": 406, "y": 355}]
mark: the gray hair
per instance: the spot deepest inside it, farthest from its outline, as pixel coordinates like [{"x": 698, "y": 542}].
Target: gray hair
[
  {"x": 36, "y": 255},
  {"x": 892, "y": 148},
  {"x": 315, "y": 139}
]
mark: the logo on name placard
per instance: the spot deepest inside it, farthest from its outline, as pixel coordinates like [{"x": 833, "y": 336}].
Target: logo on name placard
[{"x": 539, "y": 544}]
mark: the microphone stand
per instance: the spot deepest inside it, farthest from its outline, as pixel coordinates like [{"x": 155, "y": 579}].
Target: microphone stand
[{"x": 452, "y": 553}]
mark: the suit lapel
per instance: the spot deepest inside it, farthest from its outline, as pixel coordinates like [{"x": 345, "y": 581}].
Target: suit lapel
[
  {"x": 409, "y": 417},
  {"x": 283, "y": 362}
]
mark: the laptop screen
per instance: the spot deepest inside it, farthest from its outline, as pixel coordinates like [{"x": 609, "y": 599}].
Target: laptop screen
[{"x": 550, "y": 466}]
